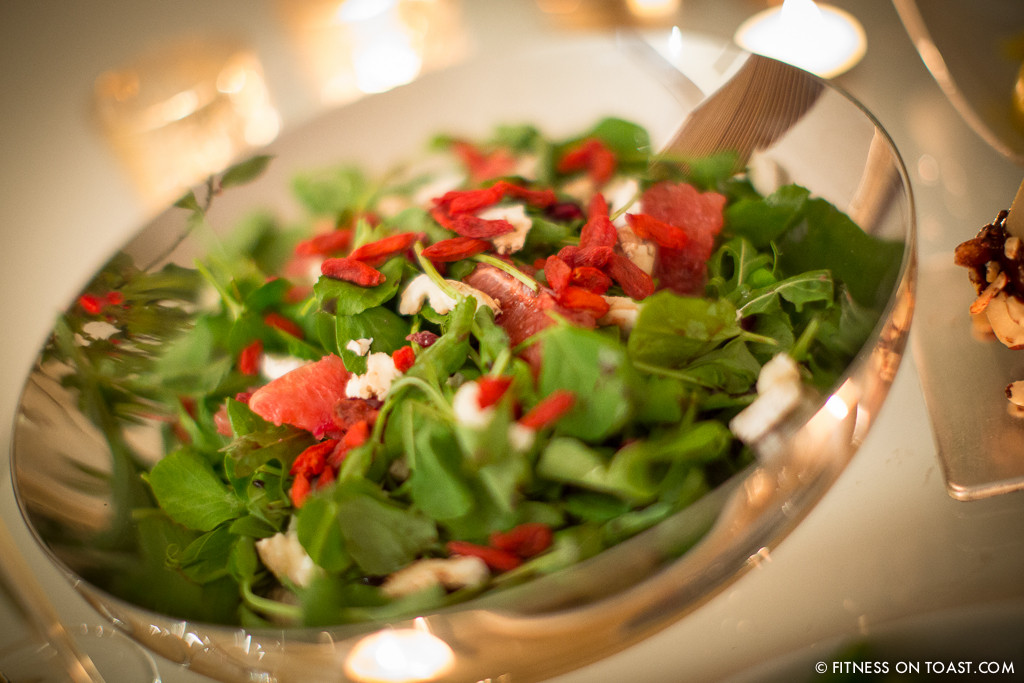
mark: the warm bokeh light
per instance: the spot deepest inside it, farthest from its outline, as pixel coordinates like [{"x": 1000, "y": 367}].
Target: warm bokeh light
[
  {"x": 184, "y": 111},
  {"x": 406, "y": 655},
  {"x": 652, "y": 9},
  {"x": 822, "y": 39},
  {"x": 355, "y": 47}
]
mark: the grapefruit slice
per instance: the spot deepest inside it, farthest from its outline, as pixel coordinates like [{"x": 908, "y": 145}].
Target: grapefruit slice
[
  {"x": 304, "y": 397},
  {"x": 700, "y": 215}
]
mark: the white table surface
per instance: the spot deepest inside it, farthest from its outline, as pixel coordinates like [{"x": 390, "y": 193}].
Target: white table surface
[{"x": 886, "y": 548}]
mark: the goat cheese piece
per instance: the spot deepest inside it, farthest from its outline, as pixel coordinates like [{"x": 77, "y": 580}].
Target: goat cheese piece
[
  {"x": 424, "y": 290},
  {"x": 376, "y": 381},
  {"x": 779, "y": 392},
  {"x": 622, "y": 313},
  {"x": 460, "y": 571},
  {"x": 360, "y": 347},
  {"x": 510, "y": 242},
  {"x": 273, "y": 366},
  {"x": 466, "y": 406},
  {"x": 638, "y": 250},
  {"x": 286, "y": 559}
]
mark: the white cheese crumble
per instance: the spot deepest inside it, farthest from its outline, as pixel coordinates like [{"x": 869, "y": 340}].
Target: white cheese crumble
[
  {"x": 466, "y": 406},
  {"x": 510, "y": 242},
  {"x": 424, "y": 290},
  {"x": 360, "y": 347},
  {"x": 460, "y": 571},
  {"x": 640, "y": 251},
  {"x": 779, "y": 391},
  {"x": 273, "y": 366},
  {"x": 286, "y": 559},
  {"x": 376, "y": 381},
  {"x": 622, "y": 313},
  {"x": 468, "y": 413}
]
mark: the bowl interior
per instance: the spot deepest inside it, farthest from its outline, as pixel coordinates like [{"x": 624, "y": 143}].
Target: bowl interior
[{"x": 68, "y": 473}]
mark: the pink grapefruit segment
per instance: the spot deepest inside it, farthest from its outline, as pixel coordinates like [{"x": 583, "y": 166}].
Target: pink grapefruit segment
[
  {"x": 699, "y": 214},
  {"x": 305, "y": 397}
]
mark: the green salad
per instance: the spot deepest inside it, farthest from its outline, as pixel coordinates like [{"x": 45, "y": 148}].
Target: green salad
[{"x": 483, "y": 366}]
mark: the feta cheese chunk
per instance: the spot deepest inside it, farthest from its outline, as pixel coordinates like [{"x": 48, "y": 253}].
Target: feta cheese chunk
[
  {"x": 286, "y": 559},
  {"x": 779, "y": 392},
  {"x": 466, "y": 406},
  {"x": 424, "y": 290},
  {"x": 510, "y": 242},
  {"x": 273, "y": 366},
  {"x": 360, "y": 347},
  {"x": 622, "y": 313},
  {"x": 640, "y": 251},
  {"x": 468, "y": 413},
  {"x": 376, "y": 381},
  {"x": 460, "y": 571}
]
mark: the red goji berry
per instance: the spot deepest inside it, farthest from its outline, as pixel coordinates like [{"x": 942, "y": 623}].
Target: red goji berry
[
  {"x": 468, "y": 225},
  {"x": 491, "y": 389},
  {"x": 455, "y": 249},
  {"x": 312, "y": 461},
  {"x": 466, "y": 201},
  {"x": 591, "y": 155},
  {"x": 541, "y": 198},
  {"x": 443, "y": 218},
  {"x": 90, "y": 303},
  {"x": 526, "y": 540},
  {"x": 497, "y": 560},
  {"x": 549, "y": 409},
  {"x": 662, "y": 233},
  {"x": 355, "y": 436},
  {"x": 114, "y": 298},
  {"x": 279, "y": 322},
  {"x": 403, "y": 358},
  {"x": 326, "y": 478},
  {"x": 595, "y": 256},
  {"x": 300, "y": 490},
  {"x": 249, "y": 358},
  {"x": 598, "y": 230},
  {"x": 557, "y": 272},
  {"x": 351, "y": 270},
  {"x": 483, "y": 165},
  {"x": 582, "y": 300},
  {"x": 591, "y": 279},
  {"x": 635, "y": 283},
  {"x": 325, "y": 244},
  {"x": 379, "y": 251}
]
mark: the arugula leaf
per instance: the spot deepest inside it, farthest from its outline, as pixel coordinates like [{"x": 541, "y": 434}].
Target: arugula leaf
[
  {"x": 808, "y": 287},
  {"x": 763, "y": 220},
  {"x": 825, "y": 237},
  {"x": 345, "y": 298},
  {"x": 245, "y": 171},
  {"x": 672, "y": 330},
  {"x": 437, "y": 483},
  {"x": 189, "y": 491},
  {"x": 320, "y": 534},
  {"x": 257, "y": 441},
  {"x": 386, "y": 328},
  {"x": 596, "y": 369},
  {"x": 341, "y": 191},
  {"x": 380, "y": 536}
]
